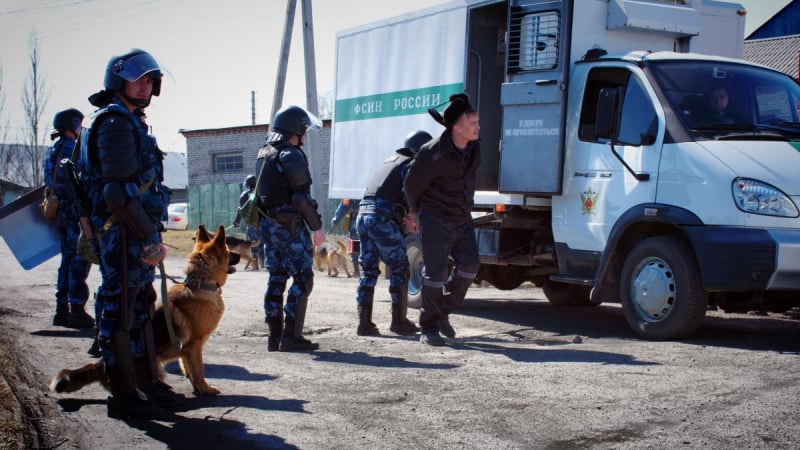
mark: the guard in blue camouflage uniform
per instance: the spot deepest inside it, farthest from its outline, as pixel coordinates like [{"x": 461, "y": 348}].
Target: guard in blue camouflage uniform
[
  {"x": 72, "y": 292},
  {"x": 288, "y": 210},
  {"x": 345, "y": 217},
  {"x": 253, "y": 233},
  {"x": 382, "y": 233},
  {"x": 128, "y": 202}
]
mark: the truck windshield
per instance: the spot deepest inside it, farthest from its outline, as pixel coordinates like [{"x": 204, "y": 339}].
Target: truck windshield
[{"x": 716, "y": 99}]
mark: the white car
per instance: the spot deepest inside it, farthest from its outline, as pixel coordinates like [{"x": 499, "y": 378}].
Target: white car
[{"x": 177, "y": 216}]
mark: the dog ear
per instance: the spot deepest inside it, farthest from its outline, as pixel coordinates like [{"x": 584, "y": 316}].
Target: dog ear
[
  {"x": 219, "y": 238},
  {"x": 201, "y": 234}
]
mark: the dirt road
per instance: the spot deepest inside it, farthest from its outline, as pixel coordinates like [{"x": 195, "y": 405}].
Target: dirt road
[{"x": 520, "y": 374}]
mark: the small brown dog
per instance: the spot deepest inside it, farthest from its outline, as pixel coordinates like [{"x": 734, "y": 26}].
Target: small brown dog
[
  {"x": 196, "y": 311},
  {"x": 332, "y": 257},
  {"x": 244, "y": 248}
]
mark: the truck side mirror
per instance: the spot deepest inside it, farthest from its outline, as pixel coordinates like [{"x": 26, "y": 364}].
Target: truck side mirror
[
  {"x": 607, "y": 113},
  {"x": 648, "y": 138}
]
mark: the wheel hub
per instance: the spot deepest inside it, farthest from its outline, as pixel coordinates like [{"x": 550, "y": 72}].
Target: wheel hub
[
  {"x": 654, "y": 290},
  {"x": 415, "y": 271}
]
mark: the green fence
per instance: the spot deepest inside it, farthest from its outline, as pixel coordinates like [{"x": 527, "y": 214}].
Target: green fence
[{"x": 213, "y": 204}]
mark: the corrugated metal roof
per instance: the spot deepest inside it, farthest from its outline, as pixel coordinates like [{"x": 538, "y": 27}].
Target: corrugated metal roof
[
  {"x": 785, "y": 22},
  {"x": 781, "y": 53}
]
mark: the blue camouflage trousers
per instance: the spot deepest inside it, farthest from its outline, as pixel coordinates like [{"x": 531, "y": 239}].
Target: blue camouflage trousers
[
  {"x": 139, "y": 290},
  {"x": 288, "y": 254},
  {"x": 71, "y": 284},
  {"x": 380, "y": 240}
]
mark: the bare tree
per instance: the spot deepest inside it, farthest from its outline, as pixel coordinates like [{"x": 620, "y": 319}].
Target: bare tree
[
  {"x": 34, "y": 101},
  {"x": 10, "y": 155}
]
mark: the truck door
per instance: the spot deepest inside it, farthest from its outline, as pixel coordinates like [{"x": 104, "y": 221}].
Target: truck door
[
  {"x": 598, "y": 188},
  {"x": 533, "y": 97}
]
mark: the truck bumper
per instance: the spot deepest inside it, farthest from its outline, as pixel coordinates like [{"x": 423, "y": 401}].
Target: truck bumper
[{"x": 742, "y": 259}]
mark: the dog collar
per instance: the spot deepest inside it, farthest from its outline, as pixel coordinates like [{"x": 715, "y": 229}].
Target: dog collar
[{"x": 196, "y": 283}]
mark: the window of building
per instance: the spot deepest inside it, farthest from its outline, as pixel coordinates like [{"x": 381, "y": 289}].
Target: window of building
[{"x": 228, "y": 163}]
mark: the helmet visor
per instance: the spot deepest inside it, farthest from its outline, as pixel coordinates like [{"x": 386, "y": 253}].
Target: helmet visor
[
  {"x": 136, "y": 67},
  {"x": 315, "y": 124}
]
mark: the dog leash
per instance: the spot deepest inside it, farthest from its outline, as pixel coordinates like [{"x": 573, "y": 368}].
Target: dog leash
[{"x": 173, "y": 339}]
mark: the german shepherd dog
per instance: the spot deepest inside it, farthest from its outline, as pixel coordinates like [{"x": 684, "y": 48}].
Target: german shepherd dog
[
  {"x": 244, "y": 248},
  {"x": 196, "y": 307},
  {"x": 332, "y": 257}
]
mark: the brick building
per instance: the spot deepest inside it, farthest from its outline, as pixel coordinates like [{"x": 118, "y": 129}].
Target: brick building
[{"x": 219, "y": 159}]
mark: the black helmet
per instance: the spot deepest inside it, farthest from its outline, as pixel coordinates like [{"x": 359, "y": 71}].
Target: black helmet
[
  {"x": 417, "y": 139},
  {"x": 130, "y": 67},
  {"x": 249, "y": 182},
  {"x": 69, "y": 119},
  {"x": 295, "y": 120}
]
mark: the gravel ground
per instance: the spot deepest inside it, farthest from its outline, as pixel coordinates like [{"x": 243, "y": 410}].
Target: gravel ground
[{"x": 520, "y": 374}]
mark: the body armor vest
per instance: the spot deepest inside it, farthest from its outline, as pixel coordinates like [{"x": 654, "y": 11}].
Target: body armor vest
[
  {"x": 274, "y": 188},
  {"x": 387, "y": 183}
]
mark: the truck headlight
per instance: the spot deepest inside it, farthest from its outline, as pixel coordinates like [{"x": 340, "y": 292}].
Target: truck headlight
[{"x": 757, "y": 197}]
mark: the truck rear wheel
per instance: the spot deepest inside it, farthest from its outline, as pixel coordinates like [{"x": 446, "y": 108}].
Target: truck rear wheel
[
  {"x": 661, "y": 291},
  {"x": 415, "y": 268},
  {"x": 566, "y": 294}
]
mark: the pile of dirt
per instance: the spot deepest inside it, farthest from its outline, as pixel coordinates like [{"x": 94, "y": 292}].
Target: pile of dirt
[{"x": 27, "y": 420}]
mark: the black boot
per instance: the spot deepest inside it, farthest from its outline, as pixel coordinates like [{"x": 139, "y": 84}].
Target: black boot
[
  {"x": 365, "y": 325},
  {"x": 148, "y": 373},
  {"x": 61, "y": 319},
  {"x": 78, "y": 318},
  {"x": 429, "y": 315},
  {"x": 156, "y": 390},
  {"x": 292, "y": 341},
  {"x": 445, "y": 327},
  {"x": 275, "y": 325},
  {"x": 431, "y": 338},
  {"x": 94, "y": 350},
  {"x": 126, "y": 401},
  {"x": 455, "y": 291},
  {"x": 400, "y": 323}
]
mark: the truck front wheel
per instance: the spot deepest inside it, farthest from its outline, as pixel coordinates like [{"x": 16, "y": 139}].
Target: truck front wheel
[
  {"x": 661, "y": 291},
  {"x": 415, "y": 268}
]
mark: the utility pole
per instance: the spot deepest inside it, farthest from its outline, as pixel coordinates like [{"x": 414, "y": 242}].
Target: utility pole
[
  {"x": 283, "y": 61},
  {"x": 313, "y": 146},
  {"x": 252, "y": 107}
]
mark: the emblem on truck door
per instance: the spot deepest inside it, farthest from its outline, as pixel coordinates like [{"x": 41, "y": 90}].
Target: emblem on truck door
[{"x": 588, "y": 201}]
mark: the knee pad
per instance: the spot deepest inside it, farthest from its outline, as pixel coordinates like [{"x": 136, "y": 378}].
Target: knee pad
[{"x": 306, "y": 280}]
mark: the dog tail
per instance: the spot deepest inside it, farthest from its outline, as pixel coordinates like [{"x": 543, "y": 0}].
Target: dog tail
[
  {"x": 69, "y": 380},
  {"x": 342, "y": 246}
]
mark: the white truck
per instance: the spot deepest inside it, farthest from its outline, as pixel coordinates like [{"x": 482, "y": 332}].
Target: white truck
[{"x": 606, "y": 176}]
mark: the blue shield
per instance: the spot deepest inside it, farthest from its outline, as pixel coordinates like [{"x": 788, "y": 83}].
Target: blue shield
[{"x": 28, "y": 235}]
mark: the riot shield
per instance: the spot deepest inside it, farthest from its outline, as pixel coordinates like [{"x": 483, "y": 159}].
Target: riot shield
[{"x": 28, "y": 235}]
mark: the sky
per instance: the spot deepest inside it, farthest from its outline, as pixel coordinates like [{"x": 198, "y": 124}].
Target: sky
[{"x": 215, "y": 53}]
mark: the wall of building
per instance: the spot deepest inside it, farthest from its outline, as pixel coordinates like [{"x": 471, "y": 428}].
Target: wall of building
[{"x": 205, "y": 184}]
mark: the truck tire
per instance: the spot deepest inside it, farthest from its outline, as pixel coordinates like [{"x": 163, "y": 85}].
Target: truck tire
[
  {"x": 415, "y": 268},
  {"x": 661, "y": 291},
  {"x": 566, "y": 294}
]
